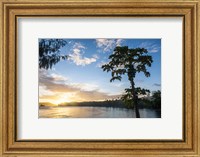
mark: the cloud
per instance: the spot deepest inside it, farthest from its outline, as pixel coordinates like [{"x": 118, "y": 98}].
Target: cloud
[
  {"x": 58, "y": 89},
  {"x": 50, "y": 82},
  {"x": 44, "y": 75},
  {"x": 79, "y": 60},
  {"x": 151, "y": 47},
  {"x": 95, "y": 56},
  {"x": 117, "y": 84},
  {"x": 85, "y": 86},
  {"x": 108, "y": 44},
  {"x": 157, "y": 84},
  {"x": 95, "y": 96},
  {"x": 44, "y": 91},
  {"x": 79, "y": 46},
  {"x": 77, "y": 55},
  {"x": 58, "y": 77},
  {"x": 119, "y": 42}
]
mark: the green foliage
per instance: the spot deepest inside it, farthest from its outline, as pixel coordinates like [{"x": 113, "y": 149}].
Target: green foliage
[
  {"x": 128, "y": 98},
  {"x": 128, "y": 61},
  {"x": 156, "y": 99},
  {"x": 125, "y": 61},
  {"x": 141, "y": 91},
  {"x": 49, "y": 52}
]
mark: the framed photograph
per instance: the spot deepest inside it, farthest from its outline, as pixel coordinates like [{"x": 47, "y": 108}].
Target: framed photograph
[{"x": 99, "y": 78}]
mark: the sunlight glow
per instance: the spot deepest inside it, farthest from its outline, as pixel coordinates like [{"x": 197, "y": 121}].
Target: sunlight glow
[{"x": 61, "y": 98}]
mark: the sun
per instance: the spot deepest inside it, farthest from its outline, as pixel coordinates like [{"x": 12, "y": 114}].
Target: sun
[
  {"x": 66, "y": 97},
  {"x": 59, "y": 98}
]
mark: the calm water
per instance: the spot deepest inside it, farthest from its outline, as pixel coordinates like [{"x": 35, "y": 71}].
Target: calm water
[{"x": 94, "y": 112}]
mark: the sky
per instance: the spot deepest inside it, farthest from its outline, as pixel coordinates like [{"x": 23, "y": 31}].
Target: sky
[{"x": 81, "y": 78}]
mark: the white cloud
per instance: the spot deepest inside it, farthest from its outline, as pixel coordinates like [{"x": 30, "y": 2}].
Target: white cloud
[
  {"x": 108, "y": 44},
  {"x": 117, "y": 84},
  {"x": 85, "y": 86},
  {"x": 119, "y": 42},
  {"x": 58, "y": 77},
  {"x": 95, "y": 56},
  {"x": 79, "y": 60},
  {"x": 79, "y": 46},
  {"x": 57, "y": 92},
  {"x": 43, "y": 91},
  {"x": 151, "y": 47},
  {"x": 77, "y": 55},
  {"x": 76, "y": 51}
]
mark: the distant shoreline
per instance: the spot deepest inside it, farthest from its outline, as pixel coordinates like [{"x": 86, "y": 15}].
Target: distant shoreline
[{"x": 108, "y": 103}]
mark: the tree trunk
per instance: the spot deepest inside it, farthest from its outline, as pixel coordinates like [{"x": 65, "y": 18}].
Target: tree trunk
[
  {"x": 135, "y": 99},
  {"x": 136, "y": 109}
]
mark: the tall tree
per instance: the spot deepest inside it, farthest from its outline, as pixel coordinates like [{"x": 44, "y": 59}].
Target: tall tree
[
  {"x": 49, "y": 52},
  {"x": 125, "y": 61}
]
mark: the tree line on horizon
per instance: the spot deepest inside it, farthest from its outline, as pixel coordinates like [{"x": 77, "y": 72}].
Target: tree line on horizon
[{"x": 153, "y": 102}]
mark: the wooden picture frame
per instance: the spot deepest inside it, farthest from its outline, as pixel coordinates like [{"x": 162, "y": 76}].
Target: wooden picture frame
[{"x": 11, "y": 10}]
